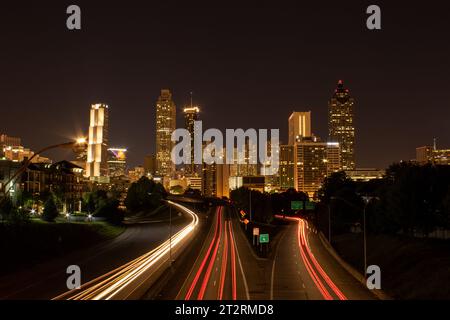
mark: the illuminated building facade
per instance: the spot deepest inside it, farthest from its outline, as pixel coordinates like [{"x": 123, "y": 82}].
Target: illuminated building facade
[
  {"x": 313, "y": 162},
  {"x": 299, "y": 126},
  {"x": 431, "y": 154},
  {"x": 165, "y": 125},
  {"x": 286, "y": 169},
  {"x": 97, "y": 153},
  {"x": 191, "y": 114},
  {"x": 135, "y": 174},
  {"x": 11, "y": 149},
  {"x": 341, "y": 127},
  {"x": 7, "y": 141},
  {"x": 117, "y": 162},
  {"x": 365, "y": 174}
]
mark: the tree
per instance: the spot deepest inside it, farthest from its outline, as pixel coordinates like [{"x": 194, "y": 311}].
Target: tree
[
  {"x": 50, "y": 210},
  {"x": 176, "y": 189},
  {"x": 144, "y": 195}
]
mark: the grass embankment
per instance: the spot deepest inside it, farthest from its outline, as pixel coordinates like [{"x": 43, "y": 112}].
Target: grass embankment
[
  {"x": 22, "y": 246},
  {"x": 410, "y": 268}
]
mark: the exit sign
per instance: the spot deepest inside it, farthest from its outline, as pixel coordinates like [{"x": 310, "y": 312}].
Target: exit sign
[
  {"x": 264, "y": 238},
  {"x": 296, "y": 205}
]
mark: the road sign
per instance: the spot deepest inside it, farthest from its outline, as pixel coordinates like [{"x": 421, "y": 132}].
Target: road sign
[
  {"x": 310, "y": 205},
  {"x": 264, "y": 238},
  {"x": 246, "y": 221},
  {"x": 256, "y": 231},
  {"x": 242, "y": 213},
  {"x": 296, "y": 205}
]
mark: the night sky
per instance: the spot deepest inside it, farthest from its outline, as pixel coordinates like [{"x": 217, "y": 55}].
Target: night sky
[{"x": 248, "y": 63}]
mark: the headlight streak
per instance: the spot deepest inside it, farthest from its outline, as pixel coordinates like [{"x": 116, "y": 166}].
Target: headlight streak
[{"x": 110, "y": 285}]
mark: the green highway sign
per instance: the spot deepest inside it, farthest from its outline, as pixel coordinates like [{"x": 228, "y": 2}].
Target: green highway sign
[
  {"x": 310, "y": 205},
  {"x": 296, "y": 205},
  {"x": 264, "y": 238}
]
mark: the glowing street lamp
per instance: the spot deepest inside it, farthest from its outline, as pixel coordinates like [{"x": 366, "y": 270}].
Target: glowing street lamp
[{"x": 72, "y": 144}]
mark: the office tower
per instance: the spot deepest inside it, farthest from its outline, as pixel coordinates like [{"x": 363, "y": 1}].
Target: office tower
[
  {"x": 191, "y": 114},
  {"x": 216, "y": 178},
  {"x": 97, "y": 154},
  {"x": 150, "y": 165},
  {"x": 286, "y": 170},
  {"x": 313, "y": 162},
  {"x": 117, "y": 162},
  {"x": 165, "y": 125},
  {"x": 299, "y": 126},
  {"x": 431, "y": 154},
  {"x": 272, "y": 180},
  {"x": 341, "y": 127},
  {"x": 8, "y": 142}
]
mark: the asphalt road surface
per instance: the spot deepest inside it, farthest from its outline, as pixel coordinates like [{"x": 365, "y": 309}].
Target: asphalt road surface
[
  {"x": 303, "y": 269},
  {"x": 48, "y": 280},
  {"x": 217, "y": 273}
]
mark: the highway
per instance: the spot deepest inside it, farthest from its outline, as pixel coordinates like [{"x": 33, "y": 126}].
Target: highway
[
  {"x": 217, "y": 273},
  {"x": 303, "y": 270},
  {"x": 115, "y": 268},
  {"x": 133, "y": 279}
]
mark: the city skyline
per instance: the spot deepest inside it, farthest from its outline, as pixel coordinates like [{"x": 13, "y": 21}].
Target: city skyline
[
  {"x": 272, "y": 72},
  {"x": 233, "y": 158}
]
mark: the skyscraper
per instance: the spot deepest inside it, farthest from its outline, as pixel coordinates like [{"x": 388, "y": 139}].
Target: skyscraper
[
  {"x": 313, "y": 162},
  {"x": 341, "y": 127},
  {"x": 165, "y": 125},
  {"x": 286, "y": 169},
  {"x": 299, "y": 126},
  {"x": 117, "y": 162},
  {"x": 97, "y": 154},
  {"x": 191, "y": 114}
]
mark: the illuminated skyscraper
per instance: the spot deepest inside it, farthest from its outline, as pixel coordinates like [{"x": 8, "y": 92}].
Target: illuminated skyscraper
[
  {"x": 341, "y": 127},
  {"x": 286, "y": 169},
  {"x": 165, "y": 125},
  {"x": 191, "y": 114},
  {"x": 313, "y": 162},
  {"x": 299, "y": 126},
  {"x": 97, "y": 154},
  {"x": 117, "y": 162}
]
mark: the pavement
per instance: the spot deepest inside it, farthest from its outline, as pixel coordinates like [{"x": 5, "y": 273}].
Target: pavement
[
  {"x": 304, "y": 270},
  {"x": 48, "y": 280},
  {"x": 217, "y": 273}
]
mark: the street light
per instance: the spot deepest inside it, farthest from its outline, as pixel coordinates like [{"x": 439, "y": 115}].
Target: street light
[
  {"x": 72, "y": 144},
  {"x": 367, "y": 200},
  {"x": 170, "y": 229}
]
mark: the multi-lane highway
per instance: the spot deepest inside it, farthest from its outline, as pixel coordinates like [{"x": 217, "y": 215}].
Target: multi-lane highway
[
  {"x": 217, "y": 273},
  {"x": 133, "y": 279},
  {"x": 118, "y": 269},
  {"x": 303, "y": 268},
  {"x": 217, "y": 264}
]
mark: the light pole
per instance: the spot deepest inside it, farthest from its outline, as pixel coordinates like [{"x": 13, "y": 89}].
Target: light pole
[
  {"x": 170, "y": 230},
  {"x": 367, "y": 200},
  {"x": 170, "y": 234},
  {"x": 250, "y": 190},
  {"x": 329, "y": 223},
  {"x": 27, "y": 162}
]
